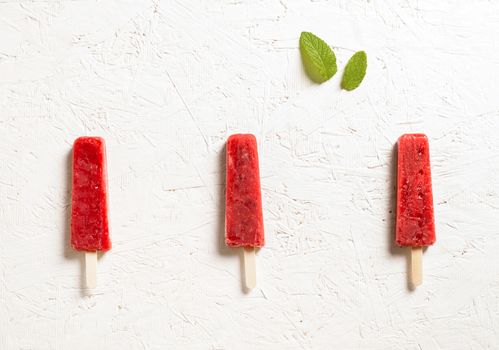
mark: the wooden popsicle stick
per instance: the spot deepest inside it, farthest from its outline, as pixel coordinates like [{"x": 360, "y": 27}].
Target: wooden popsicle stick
[
  {"x": 91, "y": 269},
  {"x": 416, "y": 265},
  {"x": 249, "y": 267}
]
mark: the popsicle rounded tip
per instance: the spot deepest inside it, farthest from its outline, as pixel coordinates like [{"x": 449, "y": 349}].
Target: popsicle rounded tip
[
  {"x": 412, "y": 136},
  {"x": 249, "y": 137},
  {"x": 89, "y": 139}
]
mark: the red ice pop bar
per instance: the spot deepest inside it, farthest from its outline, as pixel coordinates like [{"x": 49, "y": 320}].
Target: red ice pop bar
[
  {"x": 415, "y": 220},
  {"x": 89, "y": 221},
  {"x": 243, "y": 208}
]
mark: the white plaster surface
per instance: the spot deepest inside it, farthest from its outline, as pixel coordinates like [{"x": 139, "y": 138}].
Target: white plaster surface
[{"x": 165, "y": 82}]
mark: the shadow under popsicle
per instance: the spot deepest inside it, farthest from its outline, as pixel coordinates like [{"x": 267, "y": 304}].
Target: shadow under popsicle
[{"x": 68, "y": 252}]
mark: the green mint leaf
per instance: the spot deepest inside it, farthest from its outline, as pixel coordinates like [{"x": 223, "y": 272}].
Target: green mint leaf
[
  {"x": 318, "y": 58},
  {"x": 355, "y": 71}
]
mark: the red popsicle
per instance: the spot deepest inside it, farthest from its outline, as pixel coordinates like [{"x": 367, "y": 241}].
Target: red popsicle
[
  {"x": 415, "y": 218},
  {"x": 89, "y": 219},
  {"x": 243, "y": 209}
]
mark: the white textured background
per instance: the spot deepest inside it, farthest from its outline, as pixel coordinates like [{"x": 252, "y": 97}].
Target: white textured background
[{"x": 165, "y": 82}]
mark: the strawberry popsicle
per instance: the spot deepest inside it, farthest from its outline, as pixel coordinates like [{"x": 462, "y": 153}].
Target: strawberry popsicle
[
  {"x": 243, "y": 209},
  {"x": 89, "y": 220},
  {"x": 415, "y": 225}
]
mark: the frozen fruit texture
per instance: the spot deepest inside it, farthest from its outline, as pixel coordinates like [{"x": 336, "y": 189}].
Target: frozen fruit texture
[
  {"x": 89, "y": 219},
  {"x": 243, "y": 209},
  {"x": 415, "y": 219}
]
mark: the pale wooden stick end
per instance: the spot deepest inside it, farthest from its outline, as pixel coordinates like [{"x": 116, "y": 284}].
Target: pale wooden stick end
[
  {"x": 416, "y": 265},
  {"x": 249, "y": 267},
  {"x": 91, "y": 269}
]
